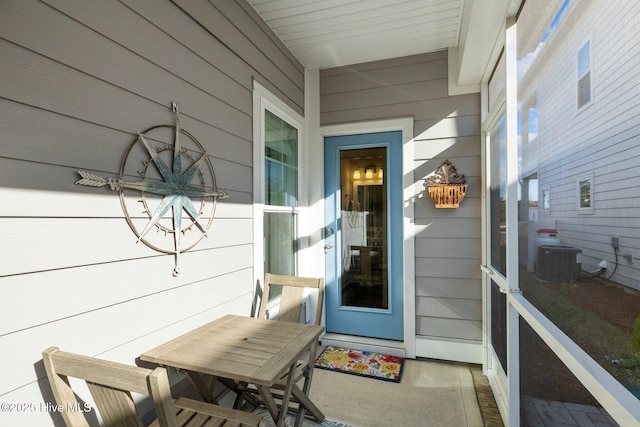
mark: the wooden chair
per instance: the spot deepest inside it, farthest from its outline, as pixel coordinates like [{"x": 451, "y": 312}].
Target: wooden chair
[
  {"x": 111, "y": 385},
  {"x": 291, "y": 303}
]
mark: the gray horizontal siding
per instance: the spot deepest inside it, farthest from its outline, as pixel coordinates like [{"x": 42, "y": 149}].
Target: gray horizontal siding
[
  {"x": 237, "y": 26},
  {"x": 78, "y": 81}
]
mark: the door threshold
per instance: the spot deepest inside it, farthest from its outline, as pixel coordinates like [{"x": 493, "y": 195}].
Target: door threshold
[{"x": 354, "y": 342}]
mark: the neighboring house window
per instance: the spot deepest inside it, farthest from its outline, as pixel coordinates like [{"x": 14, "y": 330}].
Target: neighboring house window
[
  {"x": 529, "y": 144},
  {"x": 277, "y": 136},
  {"x": 545, "y": 199},
  {"x": 584, "y": 75},
  {"x": 585, "y": 194},
  {"x": 533, "y": 122}
]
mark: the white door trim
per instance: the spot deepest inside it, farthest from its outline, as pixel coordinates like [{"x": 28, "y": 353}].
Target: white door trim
[{"x": 405, "y": 125}]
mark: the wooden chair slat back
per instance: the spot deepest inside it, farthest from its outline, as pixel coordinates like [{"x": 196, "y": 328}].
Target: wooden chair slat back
[
  {"x": 110, "y": 384},
  {"x": 292, "y": 296},
  {"x": 62, "y": 392},
  {"x": 105, "y": 372},
  {"x": 290, "y": 304},
  {"x": 115, "y": 406}
]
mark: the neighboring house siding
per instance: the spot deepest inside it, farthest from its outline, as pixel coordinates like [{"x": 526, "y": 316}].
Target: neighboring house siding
[
  {"x": 78, "y": 80},
  {"x": 601, "y": 140},
  {"x": 448, "y": 241}
]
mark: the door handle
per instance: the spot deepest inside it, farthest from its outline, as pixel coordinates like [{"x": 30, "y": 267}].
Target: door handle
[{"x": 329, "y": 232}]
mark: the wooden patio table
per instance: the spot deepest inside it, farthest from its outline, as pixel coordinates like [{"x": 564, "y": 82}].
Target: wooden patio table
[{"x": 246, "y": 350}]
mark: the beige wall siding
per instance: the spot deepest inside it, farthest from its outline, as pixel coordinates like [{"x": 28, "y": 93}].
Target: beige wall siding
[
  {"x": 78, "y": 80},
  {"x": 447, "y": 241}
]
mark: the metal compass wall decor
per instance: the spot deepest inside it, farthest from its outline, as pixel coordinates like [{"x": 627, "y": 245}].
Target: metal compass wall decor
[{"x": 166, "y": 185}]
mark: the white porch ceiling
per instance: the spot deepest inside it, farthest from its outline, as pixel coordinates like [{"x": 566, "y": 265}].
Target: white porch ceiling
[{"x": 332, "y": 33}]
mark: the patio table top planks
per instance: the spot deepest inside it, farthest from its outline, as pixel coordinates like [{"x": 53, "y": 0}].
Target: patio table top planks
[{"x": 246, "y": 349}]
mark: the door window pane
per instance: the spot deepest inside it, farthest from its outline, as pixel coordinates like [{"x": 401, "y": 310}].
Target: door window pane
[{"x": 364, "y": 228}]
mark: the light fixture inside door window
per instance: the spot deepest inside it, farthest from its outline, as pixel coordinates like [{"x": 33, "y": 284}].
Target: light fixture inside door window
[
  {"x": 368, "y": 173},
  {"x": 380, "y": 174},
  {"x": 356, "y": 174}
]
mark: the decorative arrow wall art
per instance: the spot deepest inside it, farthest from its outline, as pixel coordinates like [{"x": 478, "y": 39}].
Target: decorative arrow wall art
[{"x": 173, "y": 182}]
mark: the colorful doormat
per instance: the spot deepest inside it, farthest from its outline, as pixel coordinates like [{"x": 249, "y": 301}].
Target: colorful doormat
[{"x": 363, "y": 363}]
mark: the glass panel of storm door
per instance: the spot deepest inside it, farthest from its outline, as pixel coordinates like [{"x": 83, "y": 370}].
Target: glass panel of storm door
[
  {"x": 281, "y": 189},
  {"x": 364, "y": 228},
  {"x": 499, "y": 324},
  {"x": 279, "y": 245},
  {"x": 498, "y": 196}
]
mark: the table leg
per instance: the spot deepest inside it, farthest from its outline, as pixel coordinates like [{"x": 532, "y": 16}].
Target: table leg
[
  {"x": 303, "y": 395},
  {"x": 279, "y": 416}
]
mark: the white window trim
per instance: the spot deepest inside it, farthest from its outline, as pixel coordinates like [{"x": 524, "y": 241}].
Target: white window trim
[
  {"x": 263, "y": 99},
  {"x": 579, "y": 76},
  {"x": 542, "y": 209},
  {"x": 581, "y": 210}
]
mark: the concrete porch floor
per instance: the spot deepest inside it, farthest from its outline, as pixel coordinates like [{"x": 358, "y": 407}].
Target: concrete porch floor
[
  {"x": 437, "y": 393},
  {"x": 431, "y": 393}
]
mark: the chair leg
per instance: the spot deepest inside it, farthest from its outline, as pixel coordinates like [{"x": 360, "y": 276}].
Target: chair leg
[
  {"x": 202, "y": 388},
  {"x": 240, "y": 395},
  {"x": 243, "y": 394}
]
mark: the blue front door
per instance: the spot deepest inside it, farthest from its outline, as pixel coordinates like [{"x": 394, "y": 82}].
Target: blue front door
[{"x": 363, "y": 235}]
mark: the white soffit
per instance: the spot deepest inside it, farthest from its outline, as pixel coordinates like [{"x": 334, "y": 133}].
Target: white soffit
[
  {"x": 332, "y": 33},
  {"x": 483, "y": 20}
]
